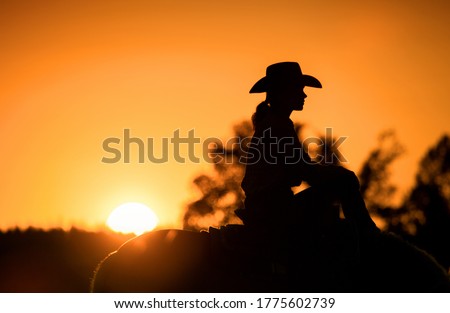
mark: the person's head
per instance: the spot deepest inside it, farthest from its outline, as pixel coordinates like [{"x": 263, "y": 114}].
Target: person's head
[
  {"x": 287, "y": 98},
  {"x": 284, "y": 84}
]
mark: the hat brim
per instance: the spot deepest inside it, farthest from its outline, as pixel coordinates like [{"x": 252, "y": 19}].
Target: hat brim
[{"x": 307, "y": 80}]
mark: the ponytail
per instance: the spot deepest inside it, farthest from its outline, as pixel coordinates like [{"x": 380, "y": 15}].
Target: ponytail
[{"x": 261, "y": 112}]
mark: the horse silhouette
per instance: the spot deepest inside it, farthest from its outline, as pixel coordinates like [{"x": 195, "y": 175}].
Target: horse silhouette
[{"x": 234, "y": 259}]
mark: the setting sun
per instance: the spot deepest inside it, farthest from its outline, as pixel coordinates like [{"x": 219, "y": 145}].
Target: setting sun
[{"x": 132, "y": 217}]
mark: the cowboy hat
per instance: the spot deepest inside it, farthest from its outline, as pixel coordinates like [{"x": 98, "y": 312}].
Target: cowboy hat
[{"x": 284, "y": 74}]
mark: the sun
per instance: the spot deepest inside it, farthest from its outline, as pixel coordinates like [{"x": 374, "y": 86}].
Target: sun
[{"x": 132, "y": 217}]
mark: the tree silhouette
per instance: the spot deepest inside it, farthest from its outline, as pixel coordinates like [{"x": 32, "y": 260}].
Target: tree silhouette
[
  {"x": 34, "y": 260},
  {"x": 424, "y": 215},
  {"x": 427, "y": 208},
  {"x": 221, "y": 192},
  {"x": 375, "y": 173}
]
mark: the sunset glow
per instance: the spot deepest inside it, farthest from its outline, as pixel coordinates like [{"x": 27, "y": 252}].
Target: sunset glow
[
  {"x": 75, "y": 73},
  {"x": 132, "y": 217}
]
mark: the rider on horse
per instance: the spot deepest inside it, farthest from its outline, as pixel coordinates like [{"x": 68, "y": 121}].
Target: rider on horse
[{"x": 276, "y": 162}]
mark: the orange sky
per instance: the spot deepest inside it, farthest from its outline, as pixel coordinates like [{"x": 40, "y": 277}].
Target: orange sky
[{"x": 75, "y": 73}]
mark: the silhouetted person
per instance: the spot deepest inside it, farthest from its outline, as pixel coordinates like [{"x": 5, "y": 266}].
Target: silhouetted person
[{"x": 277, "y": 162}]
